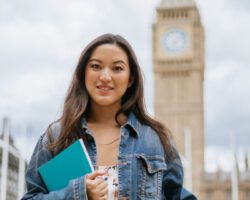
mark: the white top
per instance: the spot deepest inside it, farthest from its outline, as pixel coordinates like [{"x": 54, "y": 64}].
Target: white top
[{"x": 112, "y": 180}]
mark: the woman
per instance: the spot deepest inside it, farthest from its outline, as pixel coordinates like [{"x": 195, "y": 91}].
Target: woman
[{"x": 133, "y": 154}]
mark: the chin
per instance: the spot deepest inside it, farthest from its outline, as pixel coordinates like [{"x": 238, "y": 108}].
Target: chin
[{"x": 106, "y": 102}]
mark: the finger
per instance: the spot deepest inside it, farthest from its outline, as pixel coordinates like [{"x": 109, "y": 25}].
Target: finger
[
  {"x": 97, "y": 183},
  {"x": 99, "y": 186},
  {"x": 104, "y": 197},
  {"x": 104, "y": 191},
  {"x": 102, "y": 186},
  {"x": 96, "y": 173}
]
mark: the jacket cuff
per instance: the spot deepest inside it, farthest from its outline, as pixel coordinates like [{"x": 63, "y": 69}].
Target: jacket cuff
[{"x": 79, "y": 188}]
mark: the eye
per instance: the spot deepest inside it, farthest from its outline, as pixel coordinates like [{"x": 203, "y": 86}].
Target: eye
[
  {"x": 118, "y": 68},
  {"x": 95, "y": 66}
]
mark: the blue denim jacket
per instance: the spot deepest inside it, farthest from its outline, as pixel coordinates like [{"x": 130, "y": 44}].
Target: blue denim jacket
[{"x": 143, "y": 170}]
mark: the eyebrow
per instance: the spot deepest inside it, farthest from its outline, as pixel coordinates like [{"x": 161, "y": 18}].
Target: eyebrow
[
  {"x": 115, "y": 62},
  {"x": 94, "y": 59},
  {"x": 119, "y": 61}
]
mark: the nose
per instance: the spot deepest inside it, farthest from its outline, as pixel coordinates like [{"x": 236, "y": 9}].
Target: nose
[{"x": 105, "y": 75}]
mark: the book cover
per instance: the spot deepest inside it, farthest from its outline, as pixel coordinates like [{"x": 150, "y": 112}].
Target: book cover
[{"x": 71, "y": 163}]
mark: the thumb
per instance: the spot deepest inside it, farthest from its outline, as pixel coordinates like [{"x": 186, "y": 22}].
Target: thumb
[{"x": 96, "y": 173}]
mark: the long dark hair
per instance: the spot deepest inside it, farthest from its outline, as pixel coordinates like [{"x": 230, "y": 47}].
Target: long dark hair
[{"x": 77, "y": 103}]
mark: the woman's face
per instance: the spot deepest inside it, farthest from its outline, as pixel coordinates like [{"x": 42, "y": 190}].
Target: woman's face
[{"x": 107, "y": 75}]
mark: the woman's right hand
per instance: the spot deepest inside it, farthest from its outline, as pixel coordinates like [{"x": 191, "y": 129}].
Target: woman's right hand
[{"x": 97, "y": 188}]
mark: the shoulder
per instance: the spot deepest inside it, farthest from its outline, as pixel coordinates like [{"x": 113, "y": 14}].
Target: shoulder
[
  {"x": 52, "y": 132},
  {"x": 141, "y": 129},
  {"x": 146, "y": 132},
  {"x": 150, "y": 141}
]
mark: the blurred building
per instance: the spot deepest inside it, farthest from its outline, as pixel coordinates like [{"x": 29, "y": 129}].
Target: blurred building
[
  {"x": 12, "y": 166},
  {"x": 179, "y": 62},
  {"x": 219, "y": 185}
]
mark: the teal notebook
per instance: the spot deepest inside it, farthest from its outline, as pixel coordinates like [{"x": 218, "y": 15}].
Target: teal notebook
[{"x": 71, "y": 163}]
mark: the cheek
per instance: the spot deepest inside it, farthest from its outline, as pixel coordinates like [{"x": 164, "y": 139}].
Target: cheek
[
  {"x": 124, "y": 82},
  {"x": 88, "y": 80},
  {"x": 89, "y": 77}
]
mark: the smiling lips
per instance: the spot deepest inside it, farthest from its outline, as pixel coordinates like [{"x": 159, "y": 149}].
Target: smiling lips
[{"x": 104, "y": 88}]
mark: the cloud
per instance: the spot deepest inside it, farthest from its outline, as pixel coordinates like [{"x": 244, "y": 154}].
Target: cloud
[
  {"x": 244, "y": 5},
  {"x": 227, "y": 107}
]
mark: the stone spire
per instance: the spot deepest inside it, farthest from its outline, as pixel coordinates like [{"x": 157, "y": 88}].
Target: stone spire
[
  {"x": 177, "y": 3},
  {"x": 5, "y": 128},
  {"x": 246, "y": 162}
]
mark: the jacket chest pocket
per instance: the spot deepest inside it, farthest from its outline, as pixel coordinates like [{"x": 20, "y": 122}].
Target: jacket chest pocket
[{"x": 150, "y": 176}]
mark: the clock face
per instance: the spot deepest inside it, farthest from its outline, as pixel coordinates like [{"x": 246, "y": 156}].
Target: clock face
[{"x": 175, "y": 41}]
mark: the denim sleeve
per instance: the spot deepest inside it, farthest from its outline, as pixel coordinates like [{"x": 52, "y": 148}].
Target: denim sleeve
[
  {"x": 173, "y": 176},
  {"x": 36, "y": 190},
  {"x": 186, "y": 195}
]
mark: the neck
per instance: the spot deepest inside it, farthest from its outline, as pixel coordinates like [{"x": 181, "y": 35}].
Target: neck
[{"x": 104, "y": 115}]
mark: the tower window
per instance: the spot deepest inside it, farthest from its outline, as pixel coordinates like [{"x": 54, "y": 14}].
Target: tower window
[{"x": 180, "y": 14}]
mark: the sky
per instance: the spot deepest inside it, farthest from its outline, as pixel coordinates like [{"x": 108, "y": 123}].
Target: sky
[{"x": 40, "y": 43}]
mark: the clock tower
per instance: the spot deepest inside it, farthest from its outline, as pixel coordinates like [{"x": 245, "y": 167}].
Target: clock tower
[{"x": 178, "y": 59}]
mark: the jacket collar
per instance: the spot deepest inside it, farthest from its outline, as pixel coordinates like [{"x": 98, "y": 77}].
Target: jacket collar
[
  {"x": 134, "y": 123},
  {"x": 131, "y": 122}
]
